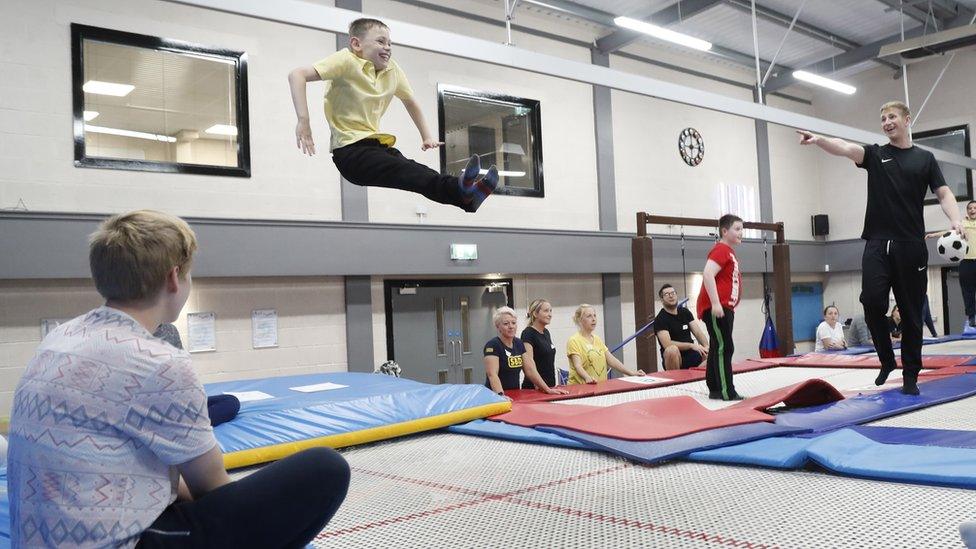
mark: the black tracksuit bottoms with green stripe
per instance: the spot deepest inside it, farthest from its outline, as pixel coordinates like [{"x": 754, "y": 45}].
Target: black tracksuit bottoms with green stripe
[{"x": 718, "y": 370}]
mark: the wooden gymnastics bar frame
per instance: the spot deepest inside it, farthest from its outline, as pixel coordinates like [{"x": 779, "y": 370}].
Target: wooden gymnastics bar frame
[{"x": 642, "y": 252}]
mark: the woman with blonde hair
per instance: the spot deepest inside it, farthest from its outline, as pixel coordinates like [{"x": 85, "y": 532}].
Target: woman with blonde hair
[
  {"x": 588, "y": 355},
  {"x": 538, "y": 342},
  {"x": 506, "y": 357}
]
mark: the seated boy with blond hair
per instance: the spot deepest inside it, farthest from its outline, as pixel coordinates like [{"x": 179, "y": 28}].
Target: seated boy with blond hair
[{"x": 110, "y": 442}]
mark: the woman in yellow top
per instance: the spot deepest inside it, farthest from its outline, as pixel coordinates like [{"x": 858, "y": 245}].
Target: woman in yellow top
[
  {"x": 967, "y": 267},
  {"x": 588, "y": 355}
]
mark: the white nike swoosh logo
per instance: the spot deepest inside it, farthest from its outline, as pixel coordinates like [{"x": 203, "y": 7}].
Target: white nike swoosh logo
[
  {"x": 885, "y": 160},
  {"x": 920, "y": 269}
]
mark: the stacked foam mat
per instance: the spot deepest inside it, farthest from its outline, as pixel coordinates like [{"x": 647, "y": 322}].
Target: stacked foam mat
[{"x": 344, "y": 409}]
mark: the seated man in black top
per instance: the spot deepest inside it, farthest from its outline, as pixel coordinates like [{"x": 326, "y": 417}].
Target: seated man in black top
[{"x": 674, "y": 328}]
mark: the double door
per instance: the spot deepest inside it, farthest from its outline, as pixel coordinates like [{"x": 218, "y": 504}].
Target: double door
[{"x": 439, "y": 331}]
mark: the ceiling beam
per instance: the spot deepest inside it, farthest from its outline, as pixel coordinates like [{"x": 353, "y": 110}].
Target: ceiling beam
[
  {"x": 574, "y": 9},
  {"x": 867, "y": 52},
  {"x": 606, "y": 19},
  {"x": 943, "y": 10},
  {"x": 800, "y": 27},
  {"x": 670, "y": 15},
  {"x": 806, "y": 29}
]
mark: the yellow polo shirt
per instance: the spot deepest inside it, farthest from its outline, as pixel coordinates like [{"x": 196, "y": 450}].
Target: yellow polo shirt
[
  {"x": 593, "y": 355},
  {"x": 358, "y": 96},
  {"x": 969, "y": 226}
]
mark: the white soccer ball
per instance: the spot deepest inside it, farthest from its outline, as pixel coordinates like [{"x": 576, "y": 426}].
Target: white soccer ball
[{"x": 952, "y": 247}]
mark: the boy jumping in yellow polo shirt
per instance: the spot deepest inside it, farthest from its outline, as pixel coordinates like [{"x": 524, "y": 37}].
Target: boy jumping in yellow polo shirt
[{"x": 364, "y": 80}]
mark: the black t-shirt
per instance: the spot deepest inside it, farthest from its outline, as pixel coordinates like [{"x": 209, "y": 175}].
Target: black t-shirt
[
  {"x": 677, "y": 325},
  {"x": 897, "y": 182},
  {"x": 509, "y": 361},
  {"x": 544, "y": 355}
]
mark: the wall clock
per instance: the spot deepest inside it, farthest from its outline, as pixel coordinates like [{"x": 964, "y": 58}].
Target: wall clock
[{"x": 691, "y": 145}]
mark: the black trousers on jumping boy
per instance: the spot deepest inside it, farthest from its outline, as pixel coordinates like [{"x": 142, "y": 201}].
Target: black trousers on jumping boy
[
  {"x": 369, "y": 163},
  {"x": 718, "y": 369},
  {"x": 898, "y": 266}
]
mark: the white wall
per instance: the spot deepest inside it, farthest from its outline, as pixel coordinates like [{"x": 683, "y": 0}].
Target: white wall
[
  {"x": 311, "y": 325},
  {"x": 794, "y": 175},
  {"x": 36, "y": 142},
  {"x": 649, "y": 172}
]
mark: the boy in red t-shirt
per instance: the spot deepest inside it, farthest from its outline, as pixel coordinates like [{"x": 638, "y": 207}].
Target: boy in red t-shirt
[{"x": 716, "y": 305}]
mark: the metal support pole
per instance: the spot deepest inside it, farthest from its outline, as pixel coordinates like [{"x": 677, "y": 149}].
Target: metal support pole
[
  {"x": 642, "y": 250},
  {"x": 937, "y": 80},
  {"x": 755, "y": 45},
  {"x": 772, "y": 62}
]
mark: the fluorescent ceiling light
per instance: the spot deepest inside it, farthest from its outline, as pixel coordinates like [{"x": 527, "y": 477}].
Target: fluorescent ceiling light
[
  {"x": 824, "y": 82},
  {"x": 129, "y": 133},
  {"x": 662, "y": 33},
  {"x": 108, "y": 88},
  {"x": 503, "y": 173},
  {"x": 90, "y": 115},
  {"x": 222, "y": 129}
]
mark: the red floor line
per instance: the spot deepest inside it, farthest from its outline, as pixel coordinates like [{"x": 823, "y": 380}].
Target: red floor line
[
  {"x": 509, "y": 498},
  {"x": 566, "y": 480},
  {"x": 633, "y": 523},
  {"x": 395, "y": 520},
  {"x": 425, "y": 483}
]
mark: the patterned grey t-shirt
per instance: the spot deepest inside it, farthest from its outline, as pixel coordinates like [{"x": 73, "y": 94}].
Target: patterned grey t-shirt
[{"x": 100, "y": 418}]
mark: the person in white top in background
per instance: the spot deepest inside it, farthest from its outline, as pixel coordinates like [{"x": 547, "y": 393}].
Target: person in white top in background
[{"x": 830, "y": 333}]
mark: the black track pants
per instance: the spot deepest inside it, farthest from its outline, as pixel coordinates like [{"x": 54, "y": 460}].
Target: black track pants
[
  {"x": 718, "y": 369},
  {"x": 899, "y": 266}
]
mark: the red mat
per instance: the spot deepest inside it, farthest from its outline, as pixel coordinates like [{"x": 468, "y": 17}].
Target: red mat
[
  {"x": 653, "y": 419},
  {"x": 825, "y": 360},
  {"x": 617, "y": 386},
  {"x": 807, "y": 393},
  {"x": 664, "y": 418}
]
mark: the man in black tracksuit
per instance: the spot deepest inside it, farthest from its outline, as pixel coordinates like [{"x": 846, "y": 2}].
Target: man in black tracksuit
[{"x": 895, "y": 256}]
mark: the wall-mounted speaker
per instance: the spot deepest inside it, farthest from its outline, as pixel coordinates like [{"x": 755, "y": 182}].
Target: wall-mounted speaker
[{"x": 820, "y": 225}]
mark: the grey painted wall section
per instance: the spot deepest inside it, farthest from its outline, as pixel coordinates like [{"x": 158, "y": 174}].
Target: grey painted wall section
[
  {"x": 355, "y": 206},
  {"x": 603, "y": 124},
  {"x": 359, "y": 324},
  {"x": 49, "y": 245},
  {"x": 612, "y": 320}
]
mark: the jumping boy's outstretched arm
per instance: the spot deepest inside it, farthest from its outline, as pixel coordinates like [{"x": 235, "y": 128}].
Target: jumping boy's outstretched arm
[
  {"x": 833, "y": 145},
  {"x": 297, "y": 79},
  {"x": 413, "y": 109}
]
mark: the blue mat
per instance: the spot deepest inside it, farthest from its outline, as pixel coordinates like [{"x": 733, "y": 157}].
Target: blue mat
[
  {"x": 655, "y": 451},
  {"x": 778, "y": 453},
  {"x": 517, "y": 433},
  {"x": 367, "y": 401},
  {"x": 867, "y": 408},
  {"x": 945, "y": 438},
  {"x": 852, "y": 454},
  {"x": 4, "y": 510}
]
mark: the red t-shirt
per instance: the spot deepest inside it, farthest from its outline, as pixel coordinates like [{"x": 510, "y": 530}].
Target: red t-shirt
[{"x": 726, "y": 281}]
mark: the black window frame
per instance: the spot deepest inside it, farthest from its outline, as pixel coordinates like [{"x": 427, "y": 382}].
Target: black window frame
[
  {"x": 535, "y": 135},
  {"x": 80, "y": 33},
  {"x": 969, "y": 173}
]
